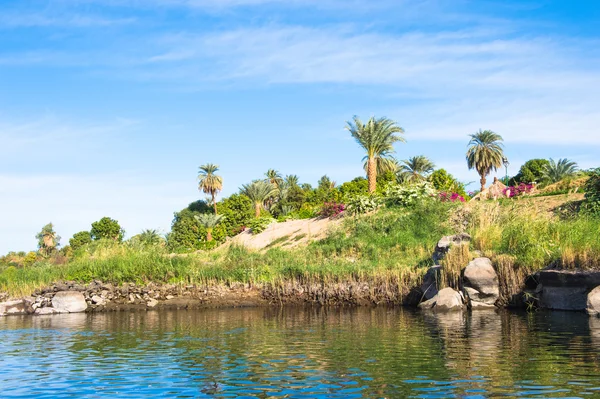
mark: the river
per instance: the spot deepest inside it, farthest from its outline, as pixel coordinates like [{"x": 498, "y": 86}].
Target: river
[{"x": 297, "y": 352}]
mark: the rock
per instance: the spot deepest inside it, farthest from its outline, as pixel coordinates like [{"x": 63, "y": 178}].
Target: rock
[
  {"x": 152, "y": 303},
  {"x": 69, "y": 301},
  {"x": 98, "y": 300},
  {"x": 17, "y": 307},
  {"x": 447, "y": 299},
  {"x": 46, "y": 311},
  {"x": 169, "y": 297},
  {"x": 444, "y": 244},
  {"x": 480, "y": 281},
  {"x": 429, "y": 286},
  {"x": 566, "y": 289},
  {"x": 593, "y": 302}
]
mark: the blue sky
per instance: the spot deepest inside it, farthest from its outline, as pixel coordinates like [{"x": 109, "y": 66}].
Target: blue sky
[{"x": 108, "y": 107}]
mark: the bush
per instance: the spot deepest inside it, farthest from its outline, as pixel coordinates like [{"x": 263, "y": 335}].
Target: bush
[
  {"x": 409, "y": 195},
  {"x": 532, "y": 171},
  {"x": 444, "y": 181},
  {"x": 451, "y": 197},
  {"x": 306, "y": 212},
  {"x": 107, "y": 228},
  {"x": 259, "y": 225},
  {"x": 80, "y": 239},
  {"x": 363, "y": 204},
  {"x": 515, "y": 191},
  {"x": 332, "y": 209},
  {"x": 591, "y": 203}
]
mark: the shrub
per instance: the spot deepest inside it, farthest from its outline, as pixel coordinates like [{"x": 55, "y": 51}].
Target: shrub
[
  {"x": 451, "y": 197},
  {"x": 80, "y": 239},
  {"x": 591, "y": 203},
  {"x": 515, "y": 191},
  {"x": 107, "y": 228},
  {"x": 332, "y": 209},
  {"x": 531, "y": 171},
  {"x": 259, "y": 225},
  {"x": 363, "y": 204},
  {"x": 444, "y": 181},
  {"x": 408, "y": 195}
]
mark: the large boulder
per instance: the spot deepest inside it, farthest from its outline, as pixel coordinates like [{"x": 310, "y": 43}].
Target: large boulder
[
  {"x": 480, "y": 283},
  {"x": 16, "y": 307},
  {"x": 444, "y": 244},
  {"x": 566, "y": 289},
  {"x": 593, "y": 302},
  {"x": 447, "y": 299},
  {"x": 69, "y": 301}
]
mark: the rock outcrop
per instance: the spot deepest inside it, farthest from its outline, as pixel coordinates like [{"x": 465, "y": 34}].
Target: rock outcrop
[
  {"x": 16, "y": 307},
  {"x": 444, "y": 244},
  {"x": 69, "y": 302},
  {"x": 447, "y": 299},
  {"x": 429, "y": 286},
  {"x": 565, "y": 289},
  {"x": 593, "y": 302},
  {"x": 480, "y": 283}
]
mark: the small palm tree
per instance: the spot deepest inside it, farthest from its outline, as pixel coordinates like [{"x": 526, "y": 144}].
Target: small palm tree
[
  {"x": 209, "y": 182},
  {"x": 485, "y": 153},
  {"x": 416, "y": 168},
  {"x": 556, "y": 171},
  {"x": 274, "y": 177},
  {"x": 377, "y": 137},
  {"x": 150, "y": 237},
  {"x": 209, "y": 221},
  {"x": 291, "y": 180},
  {"x": 259, "y": 191},
  {"x": 47, "y": 240}
]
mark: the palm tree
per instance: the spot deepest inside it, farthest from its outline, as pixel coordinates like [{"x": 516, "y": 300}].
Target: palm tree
[
  {"x": 556, "y": 171},
  {"x": 47, "y": 239},
  {"x": 210, "y": 183},
  {"x": 274, "y": 177},
  {"x": 377, "y": 137},
  {"x": 416, "y": 168},
  {"x": 383, "y": 164},
  {"x": 292, "y": 180},
  {"x": 485, "y": 153},
  {"x": 209, "y": 221},
  {"x": 259, "y": 191},
  {"x": 150, "y": 237}
]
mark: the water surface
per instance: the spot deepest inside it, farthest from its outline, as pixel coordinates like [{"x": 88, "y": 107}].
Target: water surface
[{"x": 291, "y": 352}]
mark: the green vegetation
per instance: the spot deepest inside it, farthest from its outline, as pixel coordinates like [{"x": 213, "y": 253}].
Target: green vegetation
[
  {"x": 107, "y": 229},
  {"x": 48, "y": 240},
  {"x": 415, "y": 169},
  {"x": 553, "y": 172},
  {"x": 530, "y": 172},
  {"x": 209, "y": 222},
  {"x": 209, "y": 182}
]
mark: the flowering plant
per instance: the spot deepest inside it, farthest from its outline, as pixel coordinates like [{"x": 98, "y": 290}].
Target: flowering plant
[
  {"x": 331, "y": 209},
  {"x": 515, "y": 191},
  {"x": 450, "y": 197}
]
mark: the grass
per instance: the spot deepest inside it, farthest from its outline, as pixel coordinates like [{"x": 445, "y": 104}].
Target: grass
[{"x": 392, "y": 246}]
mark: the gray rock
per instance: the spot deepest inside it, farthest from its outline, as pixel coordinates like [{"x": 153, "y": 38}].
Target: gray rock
[
  {"x": 447, "y": 299},
  {"x": 566, "y": 289},
  {"x": 47, "y": 311},
  {"x": 444, "y": 244},
  {"x": 429, "y": 286},
  {"x": 98, "y": 300},
  {"x": 69, "y": 301},
  {"x": 152, "y": 303},
  {"x": 16, "y": 307},
  {"x": 480, "y": 281},
  {"x": 593, "y": 302}
]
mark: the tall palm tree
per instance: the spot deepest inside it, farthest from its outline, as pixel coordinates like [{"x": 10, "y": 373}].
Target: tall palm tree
[
  {"x": 259, "y": 191},
  {"x": 209, "y": 182},
  {"x": 274, "y": 177},
  {"x": 416, "y": 168},
  {"x": 485, "y": 153},
  {"x": 556, "y": 171},
  {"x": 209, "y": 221},
  {"x": 377, "y": 137},
  {"x": 383, "y": 164}
]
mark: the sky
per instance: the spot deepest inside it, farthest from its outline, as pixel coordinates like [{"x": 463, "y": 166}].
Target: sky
[{"x": 108, "y": 107}]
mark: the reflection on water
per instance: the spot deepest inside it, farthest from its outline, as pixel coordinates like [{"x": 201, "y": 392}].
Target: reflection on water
[{"x": 290, "y": 352}]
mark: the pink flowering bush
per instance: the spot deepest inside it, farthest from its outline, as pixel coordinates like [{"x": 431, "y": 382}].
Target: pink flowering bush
[
  {"x": 450, "y": 197},
  {"x": 515, "y": 191},
  {"x": 331, "y": 209}
]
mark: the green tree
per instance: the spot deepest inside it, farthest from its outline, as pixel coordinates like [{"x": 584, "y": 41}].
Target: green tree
[
  {"x": 384, "y": 163},
  {"x": 444, "y": 181},
  {"x": 274, "y": 177},
  {"x": 354, "y": 188},
  {"x": 531, "y": 171},
  {"x": 209, "y": 182},
  {"x": 291, "y": 180},
  {"x": 415, "y": 169},
  {"x": 485, "y": 153},
  {"x": 591, "y": 203},
  {"x": 238, "y": 210},
  {"x": 80, "y": 239},
  {"x": 48, "y": 240},
  {"x": 557, "y": 171},
  {"x": 107, "y": 228},
  {"x": 377, "y": 137},
  {"x": 259, "y": 191},
  {"x": 209, "y": 221},
  {"x": 148, "y": 237}
]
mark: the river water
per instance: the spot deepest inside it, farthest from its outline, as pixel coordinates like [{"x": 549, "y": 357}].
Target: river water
[{"x": 309, "y": 353}]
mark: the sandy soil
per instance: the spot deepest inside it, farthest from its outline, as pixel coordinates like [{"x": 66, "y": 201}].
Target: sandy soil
[{"x": 287, "y": 234}]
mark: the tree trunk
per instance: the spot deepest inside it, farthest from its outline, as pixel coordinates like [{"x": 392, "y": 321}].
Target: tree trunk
[
  {"x": 214, "y": 203},
  {"x": 372, "y": 174},
  {"x": 482, "y": 181},
  {"x": 257, "y": 207},
  {"x": 209, "y": 234}
]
